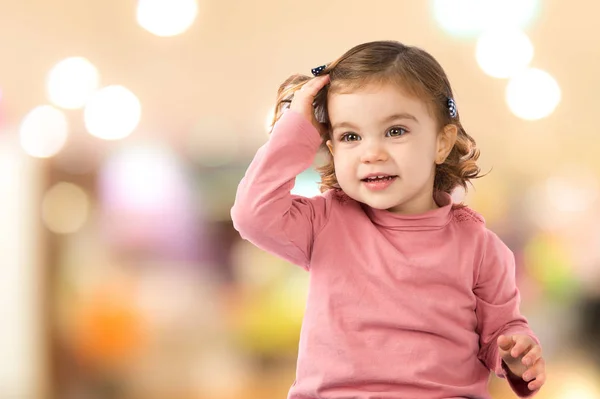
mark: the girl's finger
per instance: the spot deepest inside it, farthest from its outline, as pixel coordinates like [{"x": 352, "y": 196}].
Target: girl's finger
[
  {"x": 505, "y": 343},
  {"x": 535, "y": 371},
  {"x": 532, "y": 356},
  {"x": 312, "y": 87},
  {"x": 522, "y": 345},
  {"x": 538, "y": 382}
]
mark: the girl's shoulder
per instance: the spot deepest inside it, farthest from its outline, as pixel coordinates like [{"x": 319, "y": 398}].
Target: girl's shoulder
[
  {"x": 462, "y": 214},
  {"x": 470, "y": 226}
]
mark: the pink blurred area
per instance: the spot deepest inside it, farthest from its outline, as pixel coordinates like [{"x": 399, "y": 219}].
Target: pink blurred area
[{"x": 131, "y": 282}]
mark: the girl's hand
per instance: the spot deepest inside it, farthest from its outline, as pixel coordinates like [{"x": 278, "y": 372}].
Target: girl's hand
[
  {"x": 523, "y": 357},
  {"x": 304, "y": 98}
]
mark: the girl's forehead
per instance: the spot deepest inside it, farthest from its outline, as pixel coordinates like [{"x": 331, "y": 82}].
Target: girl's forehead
[{"x": 388, "y": 94}]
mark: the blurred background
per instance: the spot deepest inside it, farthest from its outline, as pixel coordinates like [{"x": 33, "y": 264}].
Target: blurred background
[{"x": 125, "y": 127}]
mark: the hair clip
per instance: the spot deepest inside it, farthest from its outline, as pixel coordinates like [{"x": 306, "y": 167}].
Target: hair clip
[
  {"x": 317, "y": 71},
  {"x": 452, "y": 108}
]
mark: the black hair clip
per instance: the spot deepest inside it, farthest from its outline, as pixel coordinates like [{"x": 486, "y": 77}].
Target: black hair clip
[
  {"x": 452, "y": 108},
  {"x": 317, "y": 71}
]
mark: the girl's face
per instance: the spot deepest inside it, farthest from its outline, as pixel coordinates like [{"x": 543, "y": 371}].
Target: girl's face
[{"x": 379, "y": 131}]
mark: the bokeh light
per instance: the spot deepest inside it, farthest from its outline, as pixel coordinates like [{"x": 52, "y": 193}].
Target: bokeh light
[
  {"x": 108, "y": 328},
  {"x": 459, "y": 17},
  {"x": 65, "y": 208},
  {"x": 270, "y": 321},
  {"x": 502, "y": 52},
  {"x": 43, "y": 131},
  {"x": 112, "y": 113},
  {"x": 166, "y": 17},
  {"x": 573, "y": 189},
  {"x": 71, "y": 82},
  {"x": 142, "y": 178},
  {"x": 548, "y": 261},
  {"x": 146, "y": 202},
  {"x": 558, "y": 204},
  {"x": 470, "y": 17},
  {"x": 532, "y": 94}
]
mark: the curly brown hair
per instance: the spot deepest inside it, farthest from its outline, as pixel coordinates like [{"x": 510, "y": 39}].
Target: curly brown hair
[{"x": 416, "y": 72}]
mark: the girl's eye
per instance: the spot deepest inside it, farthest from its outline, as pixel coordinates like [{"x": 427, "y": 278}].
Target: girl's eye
[
  {"x": 396, "y": 132},
  {"x": 350, "y": 137}
]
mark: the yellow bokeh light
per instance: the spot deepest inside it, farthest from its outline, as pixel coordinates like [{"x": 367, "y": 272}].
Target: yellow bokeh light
[
  {"x": 43, "y": 131},
  {"x": 166, "y": 17},
  {"x": 503, "y": 52},
  {"x": 112, "y": 113},
  {"x": 471, "y": 17},
  {"x": 532, "y": 94},
  {"x": 71, "y": 82},
  {"x": 65, "y": 208}
]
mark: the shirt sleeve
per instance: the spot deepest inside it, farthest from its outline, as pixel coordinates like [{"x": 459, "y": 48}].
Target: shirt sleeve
[
  {"x": 265, "y": 212},
  {"x": 497, "y": 308}
]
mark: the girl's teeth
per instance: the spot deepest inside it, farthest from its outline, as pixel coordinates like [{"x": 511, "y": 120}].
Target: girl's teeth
[{"x": 379, "y": 178}]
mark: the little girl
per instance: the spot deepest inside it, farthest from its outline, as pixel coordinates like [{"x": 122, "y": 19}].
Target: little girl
[{"x": 410, "y": 296}]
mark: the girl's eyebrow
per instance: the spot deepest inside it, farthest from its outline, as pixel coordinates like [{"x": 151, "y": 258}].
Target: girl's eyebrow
[
  {"x": 402, "y": 115},
  {"x": 394, "y": 117},
  {"x": 347, "y": 125}
]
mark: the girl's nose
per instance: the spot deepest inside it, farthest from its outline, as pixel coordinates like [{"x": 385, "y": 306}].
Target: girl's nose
[{"x": 374, "y": 152}]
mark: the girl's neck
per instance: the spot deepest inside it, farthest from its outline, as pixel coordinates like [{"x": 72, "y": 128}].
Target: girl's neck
[{"x": 421, "y": 203}]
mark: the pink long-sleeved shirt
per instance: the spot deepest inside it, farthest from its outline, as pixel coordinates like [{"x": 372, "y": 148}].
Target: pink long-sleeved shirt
[{"x": 399, "y": 306}]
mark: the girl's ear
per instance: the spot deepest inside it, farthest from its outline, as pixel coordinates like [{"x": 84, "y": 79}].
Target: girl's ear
[
  {"x": 445, "y": 142},
  {"x": 330, "y": 146}
]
